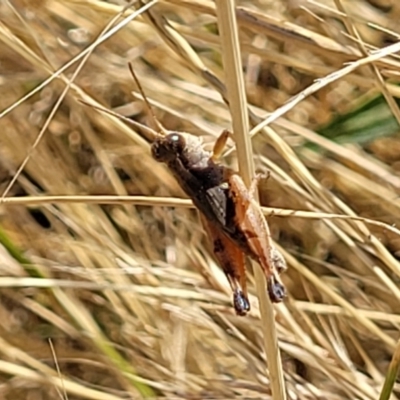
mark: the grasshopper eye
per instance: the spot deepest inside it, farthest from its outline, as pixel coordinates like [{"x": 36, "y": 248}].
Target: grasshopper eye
[
  {"x": 176, "y": 142},
  {"x": 167, "y": 148}
]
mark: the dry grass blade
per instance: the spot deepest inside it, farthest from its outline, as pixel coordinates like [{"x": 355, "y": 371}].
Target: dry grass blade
[
  {"x": 152, "y": 201},
  {"x": 238, "y": 107},
  {"x": 63, "y": 394}
]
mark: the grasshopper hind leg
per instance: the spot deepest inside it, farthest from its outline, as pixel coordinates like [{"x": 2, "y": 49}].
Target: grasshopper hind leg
[{"x": 232, "y": 261}]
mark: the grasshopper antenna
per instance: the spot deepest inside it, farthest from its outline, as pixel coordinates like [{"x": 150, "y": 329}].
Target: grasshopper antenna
[
  {"x": 160, "y": 129},
  {"x": 149, "y": 131}
]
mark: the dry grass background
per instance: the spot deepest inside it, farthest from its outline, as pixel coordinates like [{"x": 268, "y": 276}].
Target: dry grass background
[{"x": 126, "y": 288}]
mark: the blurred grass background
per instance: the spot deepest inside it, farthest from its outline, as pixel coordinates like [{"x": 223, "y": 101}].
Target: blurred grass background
[{"x": 129, "y": 294}]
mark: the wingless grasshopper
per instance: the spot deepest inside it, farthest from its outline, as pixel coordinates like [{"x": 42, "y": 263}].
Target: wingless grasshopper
[{"x": 231, "y": 217}]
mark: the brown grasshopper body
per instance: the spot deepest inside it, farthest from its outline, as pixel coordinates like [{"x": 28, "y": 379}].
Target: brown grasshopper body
[{"x": 233, "y": 220}]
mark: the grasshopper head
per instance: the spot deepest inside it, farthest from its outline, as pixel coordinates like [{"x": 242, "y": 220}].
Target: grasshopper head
[{"x": 169, "y": 147}]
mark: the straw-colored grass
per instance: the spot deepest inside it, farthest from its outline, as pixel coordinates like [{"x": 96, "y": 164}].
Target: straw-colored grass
[{"x": 102, "y": 255}]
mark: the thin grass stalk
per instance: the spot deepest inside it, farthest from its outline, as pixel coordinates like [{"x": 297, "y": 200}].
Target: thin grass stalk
[
  {"x": 175, "y": 202},
  {"x": 391, "y": 375},
  {"x": 238, "y": 105}
]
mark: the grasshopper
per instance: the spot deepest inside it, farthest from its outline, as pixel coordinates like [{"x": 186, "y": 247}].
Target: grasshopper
[{"x": 231, "y": 217}]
